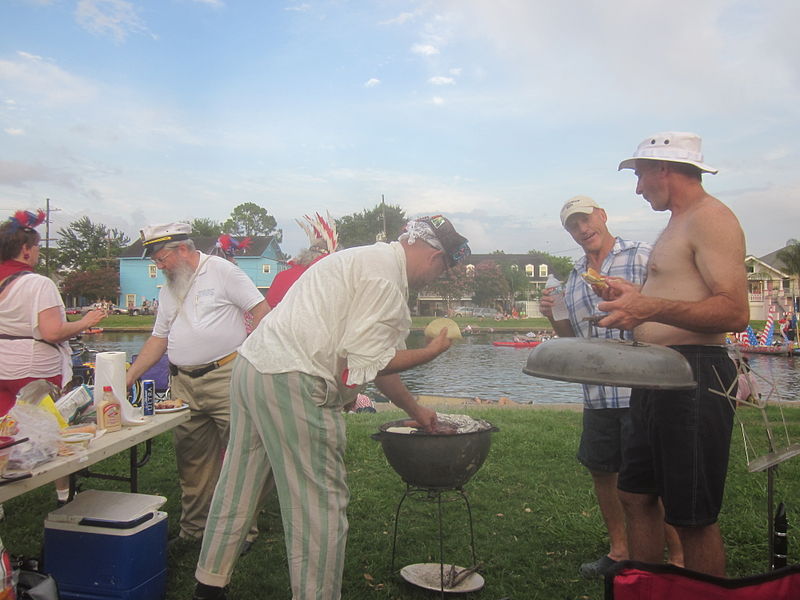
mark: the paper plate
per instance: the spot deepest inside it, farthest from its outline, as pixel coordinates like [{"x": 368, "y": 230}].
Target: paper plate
[
  {"x": 159, "y": 411},
  {"x": 429, "y": 576}
]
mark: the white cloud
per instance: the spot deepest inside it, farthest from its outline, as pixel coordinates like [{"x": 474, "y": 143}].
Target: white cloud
[
  {"x": 424, "y": 49},
  {"x": 743, "y": 37},
  {"x": 298, "y": 7},
  {"x": 439, "y": 80},
  {"x": 372, "y": 82},
  {"x": 14, "y": 131},
  {"x": 455, "y": 72},
  {"x": 399, "y": 19},
  {"x": 113, "y": 18},
  {"x": 18, "y": 173},
  {"x": 214, "y": 3},
  {"x": 42, "y": 81},
  {"x": 438, "y": 100}
]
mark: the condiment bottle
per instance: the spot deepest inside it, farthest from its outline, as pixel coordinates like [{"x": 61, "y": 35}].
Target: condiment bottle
[{"x": 109, "y": 413}]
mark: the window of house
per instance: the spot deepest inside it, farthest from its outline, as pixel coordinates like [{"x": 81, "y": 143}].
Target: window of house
[
  {"x": 529, "y": 270},
  {"x": 152, "y": 270},
  {"x": 265, "y": 268},
  {"x": 542, "y": 270}
]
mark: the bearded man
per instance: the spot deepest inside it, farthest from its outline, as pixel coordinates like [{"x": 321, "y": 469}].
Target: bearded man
[{"x": 200, "y": 324}]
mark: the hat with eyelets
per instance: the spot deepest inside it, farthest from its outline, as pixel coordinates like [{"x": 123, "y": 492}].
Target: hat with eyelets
[
  {"x": 155, "y": 237},
  {"x": 670, "y": 146}
]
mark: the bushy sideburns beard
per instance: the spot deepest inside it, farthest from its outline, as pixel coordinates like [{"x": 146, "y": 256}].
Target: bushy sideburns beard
[{"x": 178, "y": 279}]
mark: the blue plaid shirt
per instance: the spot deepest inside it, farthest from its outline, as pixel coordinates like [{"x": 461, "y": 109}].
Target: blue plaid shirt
[{"x": 627, "y": 260}]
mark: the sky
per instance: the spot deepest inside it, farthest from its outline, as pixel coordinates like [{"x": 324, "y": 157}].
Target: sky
[{"x": 492, "y": 112}]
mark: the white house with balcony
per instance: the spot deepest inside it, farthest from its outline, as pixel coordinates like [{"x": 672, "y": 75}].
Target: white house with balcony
[{"x": 769, "y": 285}]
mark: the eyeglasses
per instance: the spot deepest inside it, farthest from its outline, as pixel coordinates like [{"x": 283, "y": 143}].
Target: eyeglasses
[{"x": 160, "y": 261}]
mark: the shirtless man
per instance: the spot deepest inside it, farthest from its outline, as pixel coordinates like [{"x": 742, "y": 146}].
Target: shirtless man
[{"x": 694, "y": 293}]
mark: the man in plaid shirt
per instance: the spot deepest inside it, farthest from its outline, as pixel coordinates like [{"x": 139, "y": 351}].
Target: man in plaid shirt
[{"x": 606, "y": 416}]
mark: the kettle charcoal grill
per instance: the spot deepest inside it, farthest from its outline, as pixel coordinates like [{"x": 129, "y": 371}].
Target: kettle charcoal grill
[{"x": 433, "y": 465}]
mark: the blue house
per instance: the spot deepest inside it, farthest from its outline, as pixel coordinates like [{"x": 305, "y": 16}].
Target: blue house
[{"x": 140, "y": 279}]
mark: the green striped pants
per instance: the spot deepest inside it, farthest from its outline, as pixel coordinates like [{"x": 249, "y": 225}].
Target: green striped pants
[{"x": 282, "y": 429}]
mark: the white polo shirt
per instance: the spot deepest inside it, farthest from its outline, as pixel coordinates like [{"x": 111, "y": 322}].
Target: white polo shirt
[{"x": 211, "y": 323}]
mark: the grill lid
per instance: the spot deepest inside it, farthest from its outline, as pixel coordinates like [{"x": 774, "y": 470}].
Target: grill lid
[{"x": 611, "y": 362}]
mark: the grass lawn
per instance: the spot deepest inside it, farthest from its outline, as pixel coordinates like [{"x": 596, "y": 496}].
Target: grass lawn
[{"x": 534, "y": 514}]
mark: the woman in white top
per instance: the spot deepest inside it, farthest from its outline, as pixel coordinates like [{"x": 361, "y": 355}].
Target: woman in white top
[{"x": 33, "y": 326}]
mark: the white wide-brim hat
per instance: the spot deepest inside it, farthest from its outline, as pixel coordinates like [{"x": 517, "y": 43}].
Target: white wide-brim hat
[{"x": 671, "y": 146}]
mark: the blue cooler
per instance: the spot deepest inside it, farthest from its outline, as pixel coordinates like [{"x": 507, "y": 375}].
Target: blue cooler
[{"x": 106, "y": 545}]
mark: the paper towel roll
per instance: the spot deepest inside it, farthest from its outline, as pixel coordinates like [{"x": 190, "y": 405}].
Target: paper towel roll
[{"x": 109, "y": 369}]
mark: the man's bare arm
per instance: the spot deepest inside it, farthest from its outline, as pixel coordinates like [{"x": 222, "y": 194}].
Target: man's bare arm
[
  {"x": 394, "y": 389},
  {"x": 259, "y": 311}
]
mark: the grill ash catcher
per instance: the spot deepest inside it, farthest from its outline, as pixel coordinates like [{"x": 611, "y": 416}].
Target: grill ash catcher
[{"x": 433, "y": 466}]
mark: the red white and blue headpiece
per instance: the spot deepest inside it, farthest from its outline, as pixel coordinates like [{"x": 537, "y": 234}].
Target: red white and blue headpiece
[
  {"x": 26, "y": 220},
  {"x": 230, "y": 246},
  {"x": 321, "y": 233}
]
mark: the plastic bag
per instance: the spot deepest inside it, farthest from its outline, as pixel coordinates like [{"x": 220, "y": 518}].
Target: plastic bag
[
  {"x": 43, "y": 433},
  {"x": 74, "y": 403}
]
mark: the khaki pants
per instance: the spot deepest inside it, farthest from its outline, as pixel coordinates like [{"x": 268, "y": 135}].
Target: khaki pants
[{"x": 200, "y": 444}]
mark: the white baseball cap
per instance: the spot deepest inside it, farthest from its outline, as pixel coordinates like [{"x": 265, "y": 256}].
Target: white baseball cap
[
  {"x": 578, "y": 204},
  {"x": 671, "y": 146}
]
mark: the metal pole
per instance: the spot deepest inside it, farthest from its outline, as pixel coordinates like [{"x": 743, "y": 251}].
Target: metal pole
[{"x": 47, "y": 239}]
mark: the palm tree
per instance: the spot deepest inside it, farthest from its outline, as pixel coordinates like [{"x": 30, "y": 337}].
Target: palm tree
[{"x": 790, "y": 257}]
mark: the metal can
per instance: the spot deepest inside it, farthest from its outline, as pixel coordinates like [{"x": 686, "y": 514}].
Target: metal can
[{"x": 148, "y": 396}]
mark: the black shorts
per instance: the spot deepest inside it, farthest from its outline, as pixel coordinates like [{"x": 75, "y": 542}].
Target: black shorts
[
  {"x": 680, "y": 442},
  {"x": 601, "y": 439}
]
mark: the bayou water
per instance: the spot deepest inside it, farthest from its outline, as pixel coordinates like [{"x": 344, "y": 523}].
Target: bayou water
[{"x": 475, "y": 368}]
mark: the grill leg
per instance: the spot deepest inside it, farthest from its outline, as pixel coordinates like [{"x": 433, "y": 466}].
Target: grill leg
[
  {"x": 396, "y": 520},
  {"x": 441, "y": 544}
]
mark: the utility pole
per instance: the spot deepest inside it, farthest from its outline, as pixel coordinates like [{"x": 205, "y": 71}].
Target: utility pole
[
  {"x": 381, "y": 235},
  {"x": 47, "y": 236}
]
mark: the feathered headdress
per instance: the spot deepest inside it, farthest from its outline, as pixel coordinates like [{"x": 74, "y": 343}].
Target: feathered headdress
[
  {"x": 26, "y": 220},
  {"x": 320, "y": 231},
  {"x": 230, "y": 246}
]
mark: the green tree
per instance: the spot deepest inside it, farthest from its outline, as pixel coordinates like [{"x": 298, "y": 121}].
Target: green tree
[
  {"x": 362, "y": 229},
  {"x": 489, "y": 283},
  {"x": 88, "y": 246},
  {"x": 453, "y": 285},
  {"x": 518, "y": 283},
  {"x": 790, "y": 257},
  {"x": 203, "y": 227},
  {"x": 92, "y": 285},
  {"x": 250, "y": 219}
]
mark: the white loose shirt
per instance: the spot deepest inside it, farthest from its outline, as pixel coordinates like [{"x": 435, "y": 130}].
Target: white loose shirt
[
  {"x": 20, "y": 306},
  {"x": 211, "y": 323},
  {"x": 347, "y": 311}
]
